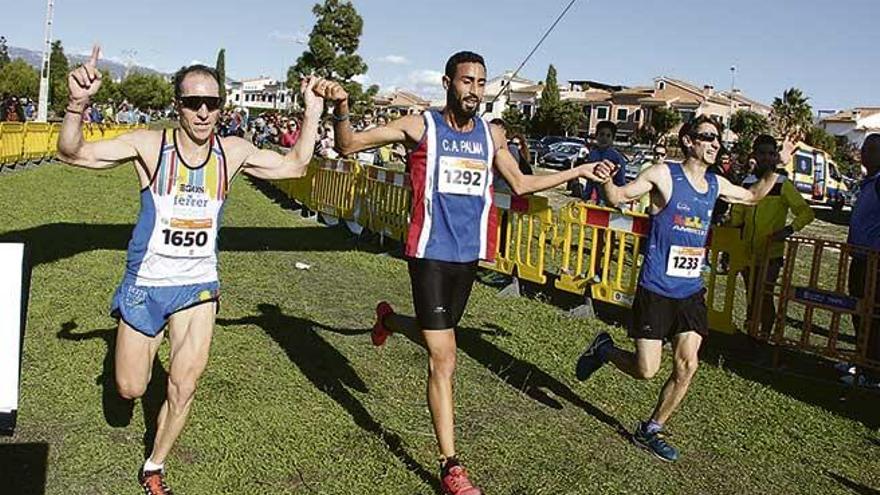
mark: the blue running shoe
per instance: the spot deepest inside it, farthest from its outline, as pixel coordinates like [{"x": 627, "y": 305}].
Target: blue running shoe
[
  {"x": 594, "y": 356},
  {"x": 654, "y": 443}
]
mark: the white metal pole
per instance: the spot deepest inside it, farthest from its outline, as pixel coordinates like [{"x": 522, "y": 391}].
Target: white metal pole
[{"x": 43, "y": 107}]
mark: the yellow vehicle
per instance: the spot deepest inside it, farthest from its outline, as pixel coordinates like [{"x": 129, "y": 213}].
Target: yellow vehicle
[{"x": 816, "y": 176}]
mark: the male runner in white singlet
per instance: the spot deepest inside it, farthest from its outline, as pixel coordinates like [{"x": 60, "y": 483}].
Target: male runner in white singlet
[{"x": 171, "y": 268}]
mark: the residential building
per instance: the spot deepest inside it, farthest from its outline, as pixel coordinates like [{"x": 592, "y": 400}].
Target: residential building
[
  {"x": 401, "y": 103},
  {"x": 854, "y": 124},
  {"x": 261, "y": 92},
  {"x": 505, "y": 90}
]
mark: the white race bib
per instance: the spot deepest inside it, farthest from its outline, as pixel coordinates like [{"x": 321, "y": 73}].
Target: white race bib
[
  {"x": 188, "y": 233},
  {"x": 685, "y": 262},
  {"x": 462, "y": 176}
]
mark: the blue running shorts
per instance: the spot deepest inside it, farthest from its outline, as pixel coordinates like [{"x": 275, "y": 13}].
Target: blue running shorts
[{"x": 147, "y": 308}]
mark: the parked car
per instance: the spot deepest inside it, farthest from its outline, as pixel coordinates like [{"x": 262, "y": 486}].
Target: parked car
[
  {"x": 564, "y": 155},
  {"x": 536, "y": 150}
]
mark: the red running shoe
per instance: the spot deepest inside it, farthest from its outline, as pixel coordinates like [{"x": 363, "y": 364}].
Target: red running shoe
[
  {"x": 380, "y": 332},
  {"x": 456, "y": 482},
  {"x": 153, "y": 483}
]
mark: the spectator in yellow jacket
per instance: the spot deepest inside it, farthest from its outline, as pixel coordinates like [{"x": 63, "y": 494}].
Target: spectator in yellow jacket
[{"x": 765, "y": 225}]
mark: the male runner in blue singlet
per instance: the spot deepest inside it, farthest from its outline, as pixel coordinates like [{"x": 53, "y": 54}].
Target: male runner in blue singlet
[
  {"x": 454, "y": 156},
  {"x": 171, "y": 269},
  {"x": 669, "y": 303}
]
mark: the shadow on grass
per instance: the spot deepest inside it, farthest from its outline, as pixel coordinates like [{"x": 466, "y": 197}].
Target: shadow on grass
[
  {"x": 23, "y": 468},
  {"x": 852, "y": 485},
  {"x": 117, "y": 410},
  {"x": 330, "y": 372},
  {"x": 804, "y": 377},
  {"x": 56, "y": 241},
  {"x": 815, "y": 329},
  {"x": 518, "y": 373}
]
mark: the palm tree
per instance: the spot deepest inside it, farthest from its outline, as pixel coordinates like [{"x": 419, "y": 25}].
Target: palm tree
[{"x": 792, "y": 116}]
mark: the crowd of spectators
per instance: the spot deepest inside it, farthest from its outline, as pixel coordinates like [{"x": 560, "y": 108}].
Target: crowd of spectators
[
  {"x": 14, "y": 109},
  {"x": 22, "y": 109}
]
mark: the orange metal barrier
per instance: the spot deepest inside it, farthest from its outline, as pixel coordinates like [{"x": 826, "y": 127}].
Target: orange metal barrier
[{"x": 813, "y": 297}]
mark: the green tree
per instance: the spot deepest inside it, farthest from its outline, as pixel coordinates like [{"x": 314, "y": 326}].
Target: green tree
[
  {"x": 147, "y": 91},
  {"x": 546, "y": 119},
  {"x": 333, "y": 42},
  {"x": 221, "y": 72},
  {"x": 663, "y": 120},
  {"x": 747, "y": 125},
  {"x": 517, "y": 123},
  {"x": 792, "y": 115},
  {"x": 58, "y": 70},
  {"x": 109, "y": 90},
  {"x": 818, "y": 137},
  {"x": 555, "y": 116},
  {"x": 20, "y": 79},
  {"x": 4, "y": 52}
]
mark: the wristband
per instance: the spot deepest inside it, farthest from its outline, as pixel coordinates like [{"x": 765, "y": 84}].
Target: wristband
[
  {"x": 78, "y": 112},
  {"x": 341, "y": 118}
]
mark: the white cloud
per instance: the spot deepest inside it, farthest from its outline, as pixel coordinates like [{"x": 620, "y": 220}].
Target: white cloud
[
  {"x": 426, "y": 77},
  {"x": 426, "y": 82},
  {"x": 297, "y": 37},
  {"x": 394, "y": 59}
]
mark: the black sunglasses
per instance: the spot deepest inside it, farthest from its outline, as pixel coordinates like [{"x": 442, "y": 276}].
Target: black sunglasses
[
  {"x": 195, "y": 103},
  {"x": 706, "y": 137}
]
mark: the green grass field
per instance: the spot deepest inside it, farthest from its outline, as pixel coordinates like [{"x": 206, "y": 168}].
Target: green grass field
[{"x": 296, "y": 399}]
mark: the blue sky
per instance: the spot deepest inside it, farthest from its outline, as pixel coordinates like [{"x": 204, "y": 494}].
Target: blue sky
[{"x": 827, "y": 48}]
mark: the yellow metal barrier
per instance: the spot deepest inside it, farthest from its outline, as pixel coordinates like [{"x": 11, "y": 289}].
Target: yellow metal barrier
[
  {"x": 600, "y": 249},
  {"x": 813, "y": 296},
  {"x": 12, "y": 144},
  {"x": 387, "y": 200},
  {"x": 36, "y": 141},
  {"x": 54, "y": 131},
  {"x": 726, "y": 250},
  {"x": 334, "y": 188},
  {"x": 523, "y": 226}
]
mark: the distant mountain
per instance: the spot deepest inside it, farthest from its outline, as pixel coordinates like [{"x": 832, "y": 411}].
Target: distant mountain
[{"x": 116, "y": 69}]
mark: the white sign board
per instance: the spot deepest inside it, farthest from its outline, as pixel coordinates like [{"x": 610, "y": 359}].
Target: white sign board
[{"x": 13, "y": 301}]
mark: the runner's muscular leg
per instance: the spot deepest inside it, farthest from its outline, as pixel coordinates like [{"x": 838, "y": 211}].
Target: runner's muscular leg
[
  {"x": 642, "y": 364},
  {"x": 133, "y": 359},
  {"x": 441, "y": 368},
  {"x": 686, "y": 348},
  {"x": 190, "y": 333}
]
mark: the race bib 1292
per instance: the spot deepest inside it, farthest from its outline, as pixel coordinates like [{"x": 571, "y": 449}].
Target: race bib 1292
[{"x": 462, "y": 176}]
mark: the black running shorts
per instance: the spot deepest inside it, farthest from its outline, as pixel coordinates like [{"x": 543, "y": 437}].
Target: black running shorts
[
  {"x": 440, "y": 291},
  {"x": 657, "y": 317}
]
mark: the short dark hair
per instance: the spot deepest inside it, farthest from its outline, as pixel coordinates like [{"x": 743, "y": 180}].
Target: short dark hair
[
  {"x": 462, "y": 58},
  {"x": 689, "y": 127},
  {"x": 764, "y": 139},
  {"x": 499, "y": 122},
  {"x": 607, "y": 124},
  {"x": 180, "y": 75}
]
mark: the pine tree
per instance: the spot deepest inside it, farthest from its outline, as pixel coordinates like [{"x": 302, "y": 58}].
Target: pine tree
[
  {"x": 333, "y": 42},
  {"x": 554, "y": 116},
  {"x": 221, "y": 72}
]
